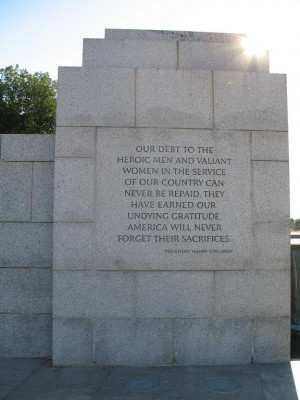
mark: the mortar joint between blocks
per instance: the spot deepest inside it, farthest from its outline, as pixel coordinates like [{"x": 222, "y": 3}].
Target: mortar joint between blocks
[
  {"x": 252, "y": 202},
  {"x": 135, "y": 89},
  {"x": 213, "y": 98},
  {"x": 94, "y": 340},
  {"x": 31, "y": 193},
  {"x": 95, "y": 197},
  {"x": 213, "y": 295},
  {"x": 134, "y": 294},
  {"x": 252, "y": 339},
  {"x": 173, "y": 362}
]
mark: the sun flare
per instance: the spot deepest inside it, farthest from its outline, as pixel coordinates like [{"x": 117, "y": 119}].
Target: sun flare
[{"x": 254, "y": 46}]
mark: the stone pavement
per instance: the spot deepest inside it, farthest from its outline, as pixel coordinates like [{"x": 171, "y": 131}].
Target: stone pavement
[{"x": 32, "y": 379}]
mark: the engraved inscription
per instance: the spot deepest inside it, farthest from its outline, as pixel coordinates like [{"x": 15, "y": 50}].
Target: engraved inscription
[{"x": 173, "y": 199}]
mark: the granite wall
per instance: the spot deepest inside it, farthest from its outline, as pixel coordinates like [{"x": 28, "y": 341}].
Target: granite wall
[
  {"x": 144, "y": 292},
  {"x": 171, "y": 209},
  {"x": 26, "y": 215}
]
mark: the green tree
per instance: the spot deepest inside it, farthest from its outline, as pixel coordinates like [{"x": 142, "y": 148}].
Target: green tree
[
  {"x": 295, "y": 225},
  {"x": 27, "y": 101}
]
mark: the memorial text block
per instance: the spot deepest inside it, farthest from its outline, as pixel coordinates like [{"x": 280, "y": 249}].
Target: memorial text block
[{"x": 173, "y": 199}]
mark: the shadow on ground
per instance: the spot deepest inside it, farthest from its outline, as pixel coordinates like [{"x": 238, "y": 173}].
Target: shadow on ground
[{"x": 22, "y": 379}]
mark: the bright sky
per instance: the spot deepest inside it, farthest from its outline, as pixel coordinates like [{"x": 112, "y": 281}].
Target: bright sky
[{"x": 40, "y": 35}]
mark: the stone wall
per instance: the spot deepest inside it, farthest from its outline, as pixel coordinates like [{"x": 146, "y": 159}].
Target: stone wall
[
  {"x": 128, "y": 297},
  {"x": 26, "y": 215}
]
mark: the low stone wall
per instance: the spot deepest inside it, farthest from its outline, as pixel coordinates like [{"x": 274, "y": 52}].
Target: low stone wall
[{"x": 26, "y": 215}]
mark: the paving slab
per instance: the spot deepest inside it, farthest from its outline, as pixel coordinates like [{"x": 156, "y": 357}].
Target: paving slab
[
  {"x": 166, "y": 383},
  {"x": 5, "y": 390},
  {"x": 61, "y": 384},
  {"x": 22, "y": 379},
  {"x": 195, "y": 386},
  {"x": 15, "y": 370},
  {"x": 277, "y": 381}
]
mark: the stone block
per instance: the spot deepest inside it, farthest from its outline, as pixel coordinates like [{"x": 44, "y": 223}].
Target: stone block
[
  {"x": 25, "y": 245},
  {"x": 270, "y": 146},
  {"x": 218, "y": 57},
  {"x": 73, "y": 344},
  {"x": 133, "y": 342},
  {"x": 25, "y": 335},
  {"x": 73, "y": 246},
  {"x": 250, "y": 101},
  {"x": 75, "y": 142},
  {"x": 272, "y": 246},
  {"x": 15, "y": 191},
  {"x": 41, "y": 290},
  {"x": 96, "y": 97},
  {"x": 271, "y": 340},
  {"x": 15, "y": 289},
  {"x": 88, "y": 294},
  {"x": 42, "y": 192},
  {"x": 212, "y": 341},
  {"x": 121, "y": 34},
  {"x": 26, "y": 147},
  {"x": 270, "y": 191},
  {"x": 180, "y": 211},
  {"x": 174, "y": 99},
  {"x": 252, "y": 294},
  {"x": 174, "y": 294},
  {"x": 74, "y": 190},
  {"x": 129, "y": 53}
]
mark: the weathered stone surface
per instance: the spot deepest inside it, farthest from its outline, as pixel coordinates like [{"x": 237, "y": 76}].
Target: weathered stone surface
[
  {"x": 120, "y": 34},
  {"x": 212, "y": 341},
  {"x": 133, "y": 342},
  {"x": 271, "y": 246},
  {"x": 252, "y": 293},
  {"x": 18, "y": 147},
  {"x": 92, "y": 294},
  {"x": 129, "y": 53},
  {"x": 42, "y": 192},
  {"x": 73, "y": 246},
  {"x": 15, "y": 191},
  {"x": 95, "y": 97},
  {"x": 74, "y": 190},
  {"x": 73, "y": 343},
  {"x": 41, "y": 290},
  {"x": 26, "y": 290},
  {"x": 218, "y": 57},
  {"x": 270, "y": 146},
  {"x": 75, "y": 142},
  {"x": 174, "y": 99},
  {"x": 122, "y": 196},
  {"x": 25, "y": 335},
  {"x": 250, "y": 101},
  {"x": 271, "y": 340},
  {"x": 31, "y": 245},
  {"x": 169, "y": 182},
  {"x": 15, "y": 290},
  {"x": 174, "y": 294},
  {"x": 270, "y": 191}
]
